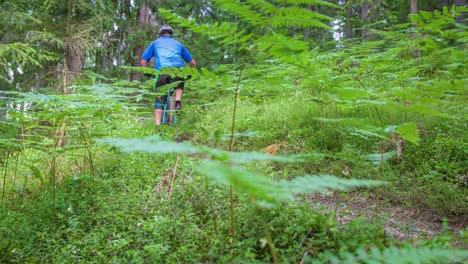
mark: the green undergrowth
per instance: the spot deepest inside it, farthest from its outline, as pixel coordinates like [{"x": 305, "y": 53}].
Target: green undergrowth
[
  {"x": 108, "y": 207},
  {"x": 132, "y": 210},
  {"x": 430, "y": 176},
  {"x": 87, "y": 177}
]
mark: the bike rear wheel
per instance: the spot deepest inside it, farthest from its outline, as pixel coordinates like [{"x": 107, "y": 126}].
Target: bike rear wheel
[{"x": 169, "y": 117}]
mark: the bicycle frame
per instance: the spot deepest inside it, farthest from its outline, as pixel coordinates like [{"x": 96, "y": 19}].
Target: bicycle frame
[{"x": 168, "y": 115}]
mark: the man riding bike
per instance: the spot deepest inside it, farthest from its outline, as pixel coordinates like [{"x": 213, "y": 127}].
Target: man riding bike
[{"x": 167, "y": 53}]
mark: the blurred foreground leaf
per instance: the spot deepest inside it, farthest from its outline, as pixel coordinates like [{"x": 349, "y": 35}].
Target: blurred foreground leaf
[
  {"x": 269, "y": 192},
  {"x": 156, "y": 145}
]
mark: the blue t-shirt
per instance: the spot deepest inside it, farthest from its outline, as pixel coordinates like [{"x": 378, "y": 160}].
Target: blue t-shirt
[{"x": 167, "y": 52}]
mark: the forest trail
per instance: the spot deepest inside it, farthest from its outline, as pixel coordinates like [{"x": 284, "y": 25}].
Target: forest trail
[{"x": 399, "y": 222}]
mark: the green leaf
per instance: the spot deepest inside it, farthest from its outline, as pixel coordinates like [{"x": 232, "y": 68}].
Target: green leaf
[
  {"x": 37, "y": 173},
  {"x": 398, "y": 255},
  {"x": 269, "y": 192},
  {"x": 378, "y": 158},
  {"x": 409, "y": 132},
  {"x": 261, "y": 188},
  {"x": 156, "y": 145}
]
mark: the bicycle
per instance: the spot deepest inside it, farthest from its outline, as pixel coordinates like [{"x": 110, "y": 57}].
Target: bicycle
[
  {"x": 168, "y": 101},
  {"x": 168, "y": 115}
]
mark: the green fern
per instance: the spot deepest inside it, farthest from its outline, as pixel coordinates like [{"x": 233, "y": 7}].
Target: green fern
[
  {"x": 298, "y": 17},
  {"x": 397, "y": 256},
  {"x": 308, "y": 2},
  {"x": 156, "y": 145},
  {"x": 268, "y": 192},
  {"x": 263, "y": 189}
]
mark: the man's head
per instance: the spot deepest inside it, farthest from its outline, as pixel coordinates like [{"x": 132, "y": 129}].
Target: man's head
[{"x": 166, "y": 30}]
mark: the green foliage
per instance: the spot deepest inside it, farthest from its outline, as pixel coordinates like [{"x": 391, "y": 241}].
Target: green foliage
[
  {"x": 68, "y": 196},
  {"x": 36, "y": 35},
  {"x": 268, "y": 192},
  {"x": 261, "y": 188},
  {"x": 398, "y": 255},
  {"x": 24, "y": 54},
  {"x": 156, "y": 145}
]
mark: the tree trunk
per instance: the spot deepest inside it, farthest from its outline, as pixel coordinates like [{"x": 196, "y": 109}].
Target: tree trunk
[
  {"x": 348, "y": 28},
  {"x": 106, "y": 53},
  {"x": 98, "y": 61},
  {"x": 143, "y": 16},
  {"x": 365, "y": 10},
  {"x": 152, "y": 19},
  {"x": 124, "y": 9},
  {"x": 74, "y": 56},
  {"x": 65, "y": 70},
  {"x": 413, "y": 6},
  {"x": 110, "y": 60}
]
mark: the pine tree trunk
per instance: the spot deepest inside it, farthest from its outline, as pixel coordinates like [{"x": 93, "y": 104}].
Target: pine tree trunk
[
  {"x": 110, "y": 60},
  {"x": 413, "y": 6},
  {"x": 98, "y": 61},
  {"x": 348, "y": 30},
  {"x": 107, "y": 55},
  {"x": 74, "y": 56},
  {"x": 102, "y": 55},
  {"x": 142, "y": 19},
  {"x": 123, "y": 8},
  {"x": 365, "y": 9},
  {"x": 65, "y": 70}
]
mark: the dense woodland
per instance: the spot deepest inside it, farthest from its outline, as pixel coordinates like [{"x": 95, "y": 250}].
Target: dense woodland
[{"x": 312, "y": 132}]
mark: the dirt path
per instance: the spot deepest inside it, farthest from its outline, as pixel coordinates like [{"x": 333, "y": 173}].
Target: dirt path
[{"x": 401, "y": 223}]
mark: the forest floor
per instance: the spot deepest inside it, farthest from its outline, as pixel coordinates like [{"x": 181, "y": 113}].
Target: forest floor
[{"x": 403, "y": 223}]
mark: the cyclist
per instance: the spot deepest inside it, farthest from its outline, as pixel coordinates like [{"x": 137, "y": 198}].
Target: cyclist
[{"x": 167, "y": 52}]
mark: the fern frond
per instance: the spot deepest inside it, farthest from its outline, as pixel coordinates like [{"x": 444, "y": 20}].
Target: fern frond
[
  {"x": 299, "y": 17},
  {"x": 262, "y": 6},
  {"x": 308, "y": 2},
  {"x": 243, "y": 11},
  {"x": 284, "y": 48},
  {"x": 397, "y": 255},
  {"x": 227, "y": 33},
  {"x": 437, "y": 20},
  {"x": 275, "y": 42},
  {"x": 316, "y": 183},
  {"x": 156, "y": 145},
  {"x": 288, "y": 21},
  {"x": 408, "y": 131},
  {"x": 269, "y": 192}
]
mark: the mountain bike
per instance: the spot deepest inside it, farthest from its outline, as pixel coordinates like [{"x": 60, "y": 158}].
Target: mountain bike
[{"x": 169, "y": 106}]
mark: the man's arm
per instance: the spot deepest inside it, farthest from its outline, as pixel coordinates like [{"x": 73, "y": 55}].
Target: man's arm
[
  {"x": 188, "y": 57},
  {"x": 147, "y": 55}
]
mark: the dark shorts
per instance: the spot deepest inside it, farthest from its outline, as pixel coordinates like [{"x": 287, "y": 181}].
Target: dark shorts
[{"x": 165, "y": 79}]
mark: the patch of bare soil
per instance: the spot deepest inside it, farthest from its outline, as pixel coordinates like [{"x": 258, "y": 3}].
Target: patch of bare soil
[{"x": 399, "y": 222}]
